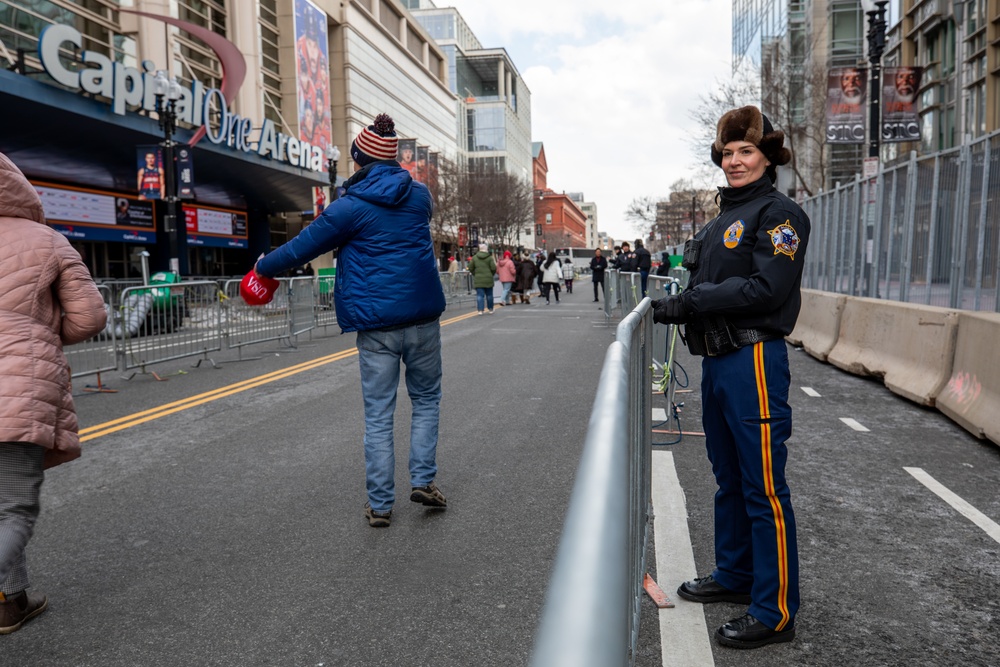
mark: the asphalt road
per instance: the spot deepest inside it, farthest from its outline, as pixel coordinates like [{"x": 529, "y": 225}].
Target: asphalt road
[
  {"x": 890, "y": 573},
  {"x": 228, "y": 529}
]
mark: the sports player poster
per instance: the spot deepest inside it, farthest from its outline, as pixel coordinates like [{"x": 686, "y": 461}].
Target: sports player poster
[
  {"x": 407, "y": 156},
  {"x": 150, "y": 179},
  {"x": 312, "y": 63}
]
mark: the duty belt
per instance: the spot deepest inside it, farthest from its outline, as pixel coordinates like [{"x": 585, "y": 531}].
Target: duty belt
[{"x": 722, "y": 340}]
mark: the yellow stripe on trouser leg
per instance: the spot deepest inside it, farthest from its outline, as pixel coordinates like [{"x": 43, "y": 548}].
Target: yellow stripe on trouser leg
[{"x": 768, "y": 475}]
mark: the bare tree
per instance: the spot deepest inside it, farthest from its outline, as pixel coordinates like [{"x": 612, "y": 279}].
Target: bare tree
[
  {"x": 792, "y": 96},
  {"x": 446, "y": 192},
  {"x": 498, "y": 203},
  {"x": 641, "y": 212},
  {"x": 795, "y": 102},
  {"x": 741, "y": 90}
]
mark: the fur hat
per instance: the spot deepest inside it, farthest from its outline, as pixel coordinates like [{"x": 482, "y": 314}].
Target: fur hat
[
  {"x": 376, "y": 142},
  {"x": 750, "y": 125},
  {"x": 483, "y": 247}
]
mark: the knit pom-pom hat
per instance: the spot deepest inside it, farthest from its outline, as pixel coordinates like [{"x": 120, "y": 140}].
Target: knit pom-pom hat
[
  {"x": 750, "y": 125},
  {"x": 376, "y": 142}
]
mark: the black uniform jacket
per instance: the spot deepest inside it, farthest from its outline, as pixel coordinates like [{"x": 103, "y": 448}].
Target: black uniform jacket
[
  {"x": 750, "y": 267},
  {"x": 643, "y": 260}
]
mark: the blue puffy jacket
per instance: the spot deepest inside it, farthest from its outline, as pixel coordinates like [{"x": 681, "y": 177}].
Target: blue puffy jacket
[{"x": 387, "y": 274}]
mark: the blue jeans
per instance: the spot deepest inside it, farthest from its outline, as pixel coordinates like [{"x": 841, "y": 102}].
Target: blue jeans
[
  {"x": 484, "y": 293},
  {"x": 379, "y": 354},
  {"x": 505, "y": 297}
]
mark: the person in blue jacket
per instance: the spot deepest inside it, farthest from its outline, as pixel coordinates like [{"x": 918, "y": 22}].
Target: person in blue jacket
[
  {"x": 742, "y": 299},
  {"x": 388, "y": 290}
]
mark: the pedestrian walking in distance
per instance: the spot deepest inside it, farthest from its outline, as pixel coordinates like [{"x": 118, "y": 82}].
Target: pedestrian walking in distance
[
  {"x": 741, "y": 301},
  {"x": 47, "y": 300},
  {"x": 551, "y": 276},
  {"x": 483, "y": 267},
  {"x": 507, "y": 273},
  {"x": 383, "y": 220},
  {"x": 568, "y": 275}
]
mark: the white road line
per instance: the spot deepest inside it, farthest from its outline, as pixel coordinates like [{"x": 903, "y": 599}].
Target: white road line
[
  {"x": 811, "y": 392},
  {"x": 683, "y": 632},
  {"x": 659, "y": 414},
  {"x": 960, "y": 505},
  {"x": 853, "y": 423}
]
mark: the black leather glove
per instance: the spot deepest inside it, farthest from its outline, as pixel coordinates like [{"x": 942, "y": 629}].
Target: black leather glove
[{"x": 669, "y": 310}]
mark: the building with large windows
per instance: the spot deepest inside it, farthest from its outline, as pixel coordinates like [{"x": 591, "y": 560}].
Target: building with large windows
[
  {"x": 493, "y": 102},
  {"x": 793, "y": 42},
  {"x": 265, "y": 88}
]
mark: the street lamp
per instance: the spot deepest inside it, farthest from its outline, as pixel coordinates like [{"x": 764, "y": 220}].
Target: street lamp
[
  {"x": 876, "y": 47},
  {"x": 332, "y": 156},
  {"x": 167, "y": 92}
]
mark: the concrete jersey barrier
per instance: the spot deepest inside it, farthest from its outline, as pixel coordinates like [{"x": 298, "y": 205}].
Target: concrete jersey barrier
[
  {"x": 818, "y": 326},
  {"x": 972, "y": 396},
  {"x": 910, "y": 346}
]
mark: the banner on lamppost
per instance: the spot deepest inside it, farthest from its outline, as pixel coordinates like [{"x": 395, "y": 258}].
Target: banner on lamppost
[
  {"x": 421, "y": 171},
  {"x": 845, "y": 105},
  {"x": 407, "y": 155},
  {"x": 463, "y": 235},
  {"x": 151, "y": 182},
  {"x": 900, "y": 121},
  {"x": 185, "y": 172}
]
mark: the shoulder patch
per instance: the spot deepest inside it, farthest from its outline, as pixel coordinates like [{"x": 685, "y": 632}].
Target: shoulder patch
[
  {"x": 785, "y": 239},
  {"x": 732, "y": 237}
]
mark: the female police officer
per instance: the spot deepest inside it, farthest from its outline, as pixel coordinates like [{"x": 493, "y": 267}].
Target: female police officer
[{"x": 743, "y": 297}]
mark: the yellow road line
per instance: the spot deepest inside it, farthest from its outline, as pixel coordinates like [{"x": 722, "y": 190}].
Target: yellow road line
[{"x": 122, "y": 423}]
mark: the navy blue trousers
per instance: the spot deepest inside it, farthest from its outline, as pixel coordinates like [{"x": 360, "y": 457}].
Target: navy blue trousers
[{"x": 747, "y": 421}]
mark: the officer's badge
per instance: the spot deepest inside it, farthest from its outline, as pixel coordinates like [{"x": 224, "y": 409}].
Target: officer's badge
[
  {"x": 732, "y": 237},
  {"x": 784, "y": 239}
]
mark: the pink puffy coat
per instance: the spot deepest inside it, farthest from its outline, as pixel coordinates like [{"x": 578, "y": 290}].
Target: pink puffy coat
[
  {"x": 506, "y": 270},
  {"x": 47, "y": 300}
]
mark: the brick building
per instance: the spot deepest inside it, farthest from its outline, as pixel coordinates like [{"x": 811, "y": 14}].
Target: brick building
[{"x": 559, "y": 221}]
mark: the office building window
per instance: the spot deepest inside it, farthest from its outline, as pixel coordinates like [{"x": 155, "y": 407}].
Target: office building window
[{"x": 487, "y": 129}]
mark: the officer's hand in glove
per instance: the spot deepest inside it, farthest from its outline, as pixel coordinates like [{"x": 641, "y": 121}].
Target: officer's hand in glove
[{"x": 669, "y": 310}]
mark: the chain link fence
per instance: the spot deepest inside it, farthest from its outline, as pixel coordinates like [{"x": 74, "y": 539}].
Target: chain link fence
[{"x": 924, "y": 231}]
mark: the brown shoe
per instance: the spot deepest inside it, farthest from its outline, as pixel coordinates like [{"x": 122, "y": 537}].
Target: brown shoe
[
  {"x": 377, "y": 519},
  {"x": 428, "y": 495},
  {"x": 19, "y": 608}
]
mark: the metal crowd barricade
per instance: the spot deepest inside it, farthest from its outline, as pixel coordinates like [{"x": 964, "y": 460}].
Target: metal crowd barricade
[
  {"x": 117, "y": 285},
  {"x": 326, "y": 312},
  {"x": 611, "y": 293},
  {"x": 97, "y": 355},
  {"x": 592, "y": 606},
  {"x": 247, "y": 325},
  {"x": 301, "y": 305},
  {"x": 457, "y": 287},
  {"x": 169, "y": 322}
]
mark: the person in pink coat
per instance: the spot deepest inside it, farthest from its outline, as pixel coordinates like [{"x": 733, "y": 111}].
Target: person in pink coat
[
  {"x": 47, "y": 300},
  {"x": 507, "y": 272}
]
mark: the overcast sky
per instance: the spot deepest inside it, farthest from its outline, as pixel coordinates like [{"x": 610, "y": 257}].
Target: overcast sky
[{"x": 612, "y": 84}]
